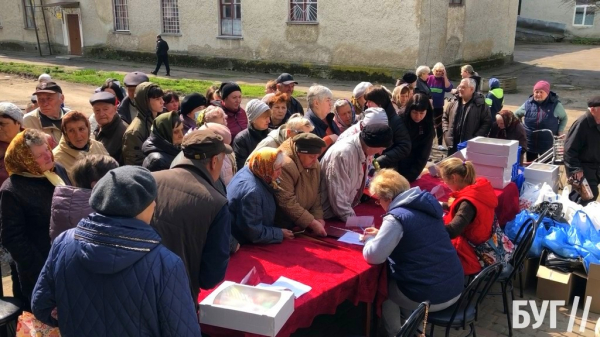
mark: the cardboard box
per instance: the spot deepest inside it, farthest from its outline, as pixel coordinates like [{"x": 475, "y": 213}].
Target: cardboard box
[
  {"x": 493, "y": 171},
  {"x": 239, "y": 312},
  {"x": 496, "y": 147},
  {"x": 528, "y": 274},
  {"x": 542, "y": 172},
  {"x": 497, "y": 182},
  {"x": 556, "y": 285},
  {"x": 592, "y": 287},
  {"x": 490, "y": 159}
]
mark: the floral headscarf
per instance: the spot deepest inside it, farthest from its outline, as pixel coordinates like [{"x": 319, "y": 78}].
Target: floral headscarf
[
  {"x": 510, "y": 120},
  {"x": 19, "y": 160},
  {"x": 262, "y": 164},
  {"x": 200, "y": 118}
]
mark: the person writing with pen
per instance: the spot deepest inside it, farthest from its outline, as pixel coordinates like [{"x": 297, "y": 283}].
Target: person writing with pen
[{"x": 423, "y": 263}]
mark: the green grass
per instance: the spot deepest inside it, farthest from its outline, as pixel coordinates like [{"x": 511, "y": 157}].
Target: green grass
[
  {"x": 97, "y": 78},
  {"x": 585, "y": 41}
]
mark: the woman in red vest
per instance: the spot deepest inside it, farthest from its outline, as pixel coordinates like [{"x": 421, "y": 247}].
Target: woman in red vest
[{"x": 471, "y": 214}]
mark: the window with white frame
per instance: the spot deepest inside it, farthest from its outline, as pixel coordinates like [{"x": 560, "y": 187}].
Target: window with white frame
[
  {"x": 121, "y": 15},
  {"x": 303, "y": 10},
  {"x": 29, "y": 12},
  {"x": 584, "y": 15},
  {"x": 231, "y": 17},
  {"x": 170, "y": 17}
]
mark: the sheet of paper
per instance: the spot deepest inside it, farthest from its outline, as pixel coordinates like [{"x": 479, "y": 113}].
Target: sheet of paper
[
  {"x": 286, "y": 284},
  {"x": 351, "y": 238},
  {"x": 359, "y": 221}
]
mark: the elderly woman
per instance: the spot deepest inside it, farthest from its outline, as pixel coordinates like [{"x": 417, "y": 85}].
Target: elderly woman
[
  {"x": 400, "y": 97},
  {"x": 320, "y": 115},
  {"x": 422, "y": 87},
  {"x": 298, "y": 199},
  {"x": 11, "y": 121},
  {"x": 251, "y": 199},
  {"x": 439, "y": 85},
  {"x": 418, "y": 119},
  {"x": 231, "y": 100},
  {"x": 423, "y": 264},
  {"x": 190, "y": 106},
  {"x": 212, "y": 114},
  {"x": 164, "y": 142},
  {"x": 296, "y": 125},
  {"x": 229, "y": 166},
  {"x": 259, "y": 116},
  {"x": 70, "y": 204},
  {"x": 471, "y": 215},
  {"x": 277, "y": 102},
  {"x": 76, "y": 142},
  {"x": 371, "y": 116},
  {"x": 507, "y": 126},
  {"x": 358, "y": 98},
  {"x": 344, "y": 116},
  {"x": 25, "y": 202},
  {"x": 542, "y": 111}
]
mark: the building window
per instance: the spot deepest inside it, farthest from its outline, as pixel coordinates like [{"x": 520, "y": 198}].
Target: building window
[
  {"x": 303, "y": 10},
  {"x": 456, "y": 2},
  {"x": 121, "y": 15},
  {"x": 170, "y": 17},
  {"x": 584, "y": 15},
  {"x": 29, "y": 12},
  {"x": 231, "y": 17}
]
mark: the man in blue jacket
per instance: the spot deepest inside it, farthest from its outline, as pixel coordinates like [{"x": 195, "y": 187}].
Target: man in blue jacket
[{"x": 111, "y": 276}]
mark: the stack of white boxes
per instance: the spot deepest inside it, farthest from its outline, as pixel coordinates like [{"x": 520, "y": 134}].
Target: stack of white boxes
[
  {"x": 539, "y": 174},
  {"x": 493, "y": 159}
]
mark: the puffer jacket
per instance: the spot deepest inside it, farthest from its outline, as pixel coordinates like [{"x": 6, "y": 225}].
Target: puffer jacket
[
  {"x": 159, "y": 153},
  {"x": 298, "y": 200},
  {"x": 139, "y": 129},
  {"x": 476, "y": 121},
  {"x": 113, "y": 277},
  {"x": 69, "y": 205}
]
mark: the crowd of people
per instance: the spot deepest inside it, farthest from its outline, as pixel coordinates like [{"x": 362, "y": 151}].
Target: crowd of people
[{"x": 138, "y": 207}]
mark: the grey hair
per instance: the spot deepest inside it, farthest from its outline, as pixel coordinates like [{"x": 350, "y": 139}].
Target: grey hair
[
  {"x": 468, "y": 68},
  {"x": 423, "y": 70},
  {"x": 317, "y": 93},
  {"x": 297, "y": 123},
  {"x": 213, "y": 112},
  {"x": 471, "y": 82},
  {"x": 439, "y": 66},
  {"x": 34, "y": 137},
  {"x": 340, "y": 103}
]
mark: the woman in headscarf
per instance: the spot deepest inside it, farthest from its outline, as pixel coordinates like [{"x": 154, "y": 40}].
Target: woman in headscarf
[
  {"x": 229, "y": 166},
  {"x": 400, "y": 97},
  {"x": 251, "y": 199},
  {"x": 164, "y": 142},
  {"x": 25, "y": 202},
  {"x": 344, "y": 115},
  {"x": 508, "y": 126},
  {"x": 76, "y": 142}
]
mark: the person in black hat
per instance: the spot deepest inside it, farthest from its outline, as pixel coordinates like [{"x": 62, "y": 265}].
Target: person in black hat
[
  {"x": 409, "y": 78},
  {"x": 110, "y": 127},
  {"x": 190, "y": 105},
  {"x": 344, "y": 169},
  {"x": 298, "y": 200},
  {"x": 48, "y": 116},
  {"x": 191, "y": 214},
  {"x": 286, "y": 85},
  {"x": 582, "y": 153},
  {"x": 162, "y": 55},
  {"x": 231, "y": 101},
  {"x": 127, "y": 109}
]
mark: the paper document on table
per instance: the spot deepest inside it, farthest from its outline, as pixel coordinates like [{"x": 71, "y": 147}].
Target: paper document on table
[
  {"x": 352, "y": 238},
  {"x": 284, "y": 283}
]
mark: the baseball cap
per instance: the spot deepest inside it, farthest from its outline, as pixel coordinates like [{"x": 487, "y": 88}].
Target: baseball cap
[{"x": 286, "y": 79}]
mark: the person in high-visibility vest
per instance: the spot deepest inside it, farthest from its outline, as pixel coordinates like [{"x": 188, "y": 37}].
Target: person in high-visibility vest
[{"x": 495, "y": 97}]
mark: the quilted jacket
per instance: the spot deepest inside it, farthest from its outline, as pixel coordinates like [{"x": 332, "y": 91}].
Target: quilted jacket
[
  {"x": 113, "y": 277},
  {"x": 69, "y": 205}
]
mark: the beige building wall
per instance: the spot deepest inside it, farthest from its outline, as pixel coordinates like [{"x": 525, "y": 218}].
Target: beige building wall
[
  {"x": 560, "y": 11},
  {"x": 12, "y": 21}
]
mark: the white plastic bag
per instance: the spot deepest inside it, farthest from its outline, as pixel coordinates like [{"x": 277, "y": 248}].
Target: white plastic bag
[
  {"x": 593, "y": 211},
  {"x": 529, "y": 195},
  {"x": 546, "y": 194},
  {"x": 569, "y": 207}
]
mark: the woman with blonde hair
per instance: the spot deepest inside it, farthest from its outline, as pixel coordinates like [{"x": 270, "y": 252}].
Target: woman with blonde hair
[
  {"x": 440, "y": 85},
  {"x": 423, "y": 264},
  {"x": 400, "y": 97},
  {"x": 471, "y": 215}
]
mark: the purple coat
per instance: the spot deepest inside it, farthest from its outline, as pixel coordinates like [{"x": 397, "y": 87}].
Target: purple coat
[
  {"x": 438, "y": 90},
  {"x": 69, "y": 205}
]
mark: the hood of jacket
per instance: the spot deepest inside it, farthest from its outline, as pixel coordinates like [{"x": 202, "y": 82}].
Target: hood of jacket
[
  {"x": 278, "y": 135},
  {"x": 418, "y": 200},
  {"x": 155, "y": 143},
  {"x": 108, "y": 245},
  {"x": 482, "y": 191},
  {"x": 141, "y": 97}
]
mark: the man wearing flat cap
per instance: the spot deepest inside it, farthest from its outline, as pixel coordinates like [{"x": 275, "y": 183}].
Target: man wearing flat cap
[
  {"x": 344, "y": 169},
  {"x": 192, "y": 215},
  {"x": 48, "y": 116},
  {"x": 286, "y": 85},
  {"x": 127, "y": 109},
  {"x": 298, "y": 200},
  {"x": 582, "y": 153},
  {"x": 110, "y": 127}
]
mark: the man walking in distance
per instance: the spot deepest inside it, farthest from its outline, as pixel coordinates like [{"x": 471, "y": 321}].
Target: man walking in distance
[{"x": 162, "y": 55}]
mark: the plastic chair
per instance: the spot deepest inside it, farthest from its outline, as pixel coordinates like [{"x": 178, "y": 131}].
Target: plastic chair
[
  {"x": 415, "y": 321},
  {"x": 10, "y": 309},
  {"x": 465, "y": 311}
]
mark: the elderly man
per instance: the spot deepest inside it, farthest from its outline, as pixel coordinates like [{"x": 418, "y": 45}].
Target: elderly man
[
  {"x": 582, "y": 153},
  {"x": 320, "y": 115},
  {"x": 110, "y": 127},
  {"x": 466, "y": 117},
  {"x": 48, "y": 116},
  {"x": 286, "y": 84},
  {"x": 191, "y": 213},
  {"x": 127, "y": 109},
  {"x": 344, "y": 169},
  {"x": 298, "y": 200}
]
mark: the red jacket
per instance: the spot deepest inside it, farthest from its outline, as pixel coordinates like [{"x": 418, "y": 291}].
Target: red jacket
[{"x": 482, "y": 196}]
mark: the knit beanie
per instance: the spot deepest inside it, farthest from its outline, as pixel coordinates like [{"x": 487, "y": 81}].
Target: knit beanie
[
  {"x": 375, "y": 116},
  {"x": 409, "y": 77},
  {"x": 124, "y": 192},
  {"x": 227, "y": 88},
  {"x": 191, "y": 102},
  {"x": 255, "y": 108},
  {"x": 377, "y": 135},
  {"x": 12, "y": 111},
  {"x": 494, "y": 83},
  {"x": 542, "y": 85},
  {"x": 360, "y": 89}
]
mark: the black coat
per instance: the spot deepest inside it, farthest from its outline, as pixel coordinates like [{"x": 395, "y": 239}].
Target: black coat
[
  {"x": 476, "y": 121},
  {"x": 421, "y": 137},
  {"x": 400, "y": 149},
  {"x": 124, "y": 110},
  {"x": 162, "y": 47},
  {"x": 159, "y": 153},
  {"x": 581, "y": 147},
  {"x": 245, "y": 142},
  {"x": 111, "y": 136}
]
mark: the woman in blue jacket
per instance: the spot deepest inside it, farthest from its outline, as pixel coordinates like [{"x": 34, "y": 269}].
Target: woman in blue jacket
[{"x": 111, "y": 276}]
